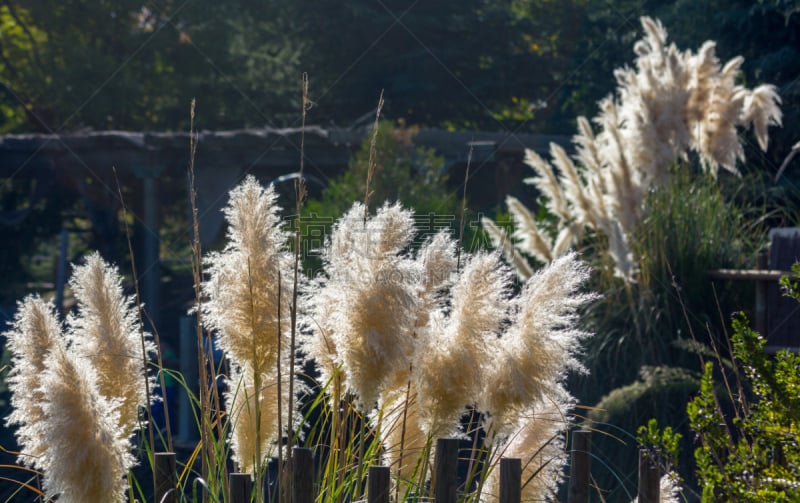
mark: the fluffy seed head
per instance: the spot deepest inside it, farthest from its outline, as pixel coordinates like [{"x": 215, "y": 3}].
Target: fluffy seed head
[{"x": 105, "y": 332}]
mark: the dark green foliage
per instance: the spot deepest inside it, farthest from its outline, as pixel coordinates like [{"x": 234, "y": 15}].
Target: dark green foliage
[
  {"x": 689, "y": 228},
  {"x": 649, "y": 335},
  {"x": 403, "y": 172},
  {"x": 790, "y": 284},
  {"x": 752, "y": 454},
  {"x": 663, "y": 444}
]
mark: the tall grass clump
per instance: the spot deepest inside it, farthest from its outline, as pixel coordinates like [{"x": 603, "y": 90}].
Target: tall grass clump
[
  {"x": 247, "y": 306},
  {"x": 673, "y": 106},
  {"x": 415, "y": 343},
  {"x": 77, "y": 389}
]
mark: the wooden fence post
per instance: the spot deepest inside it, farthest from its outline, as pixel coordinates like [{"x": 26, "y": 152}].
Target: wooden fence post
[
  {"x": 166, "y": 478},
  {"x": 378, "y": 486},
  {"x": 649, "y": 478},
  {"x": 302, "y": 475},
  {"x": 510, "y": 480},
  {"x": 580, "y": 467},
  {"x": 445, "y": 473},
  {"x": 240, "y": 487}
]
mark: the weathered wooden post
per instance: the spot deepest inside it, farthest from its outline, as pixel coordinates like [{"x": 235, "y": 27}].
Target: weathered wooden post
[
  {"x": 240, "y": 487},
  {"x": 302, "y": 475},
  {"x": 510, "y": 480},
  {"x": 166, "y": 478},
  {"x": 580, "y": 467},
  {"x": 378, "y": 486},
  {"x": 445, "y": 472},
  {"x": 649, "y": 477}
]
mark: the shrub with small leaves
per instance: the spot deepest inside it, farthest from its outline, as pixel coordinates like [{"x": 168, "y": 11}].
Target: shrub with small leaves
[{"x": 754, "y": 456}]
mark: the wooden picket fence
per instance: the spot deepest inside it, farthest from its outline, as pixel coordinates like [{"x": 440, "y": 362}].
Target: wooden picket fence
[{"x": 445, "y": 479}]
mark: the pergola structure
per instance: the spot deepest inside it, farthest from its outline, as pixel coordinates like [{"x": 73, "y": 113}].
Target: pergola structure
[{"x": 151, "y": 169}]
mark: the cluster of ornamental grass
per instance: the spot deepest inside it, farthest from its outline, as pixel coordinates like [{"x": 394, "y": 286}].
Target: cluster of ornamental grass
[
  {"x": 406, "y": 341},
  {"x": 402, "y": 342},
  {"x": 672, "y": 106},
  {"x": 77, "y": 387}
]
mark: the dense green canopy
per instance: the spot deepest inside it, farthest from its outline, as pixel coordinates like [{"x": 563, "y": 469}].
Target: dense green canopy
[{"x": 476, "y": 64}]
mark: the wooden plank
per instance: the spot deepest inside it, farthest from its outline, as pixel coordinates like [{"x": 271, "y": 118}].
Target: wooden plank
[
  {"x": 510, "y": 480},
  {"x": 302, "y": 475},
  {"x": 240, "y": 487},
  {"x": 445, "y": 474},
  {"x": 580, "y": 467},
  {"x": 378, "y": 486},
  {"x": 166, "y": 478},
  {"x": 747, "y": 274},
  {"x": 649, "y": 478}
]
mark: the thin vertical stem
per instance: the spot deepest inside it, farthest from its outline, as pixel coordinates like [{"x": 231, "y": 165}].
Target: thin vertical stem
[
  {"x": 139, "y": 308},
  {"x": 197, "y": 271},
  {"x": 463, "y": 212},
  {"x": 372, "y": 162}
]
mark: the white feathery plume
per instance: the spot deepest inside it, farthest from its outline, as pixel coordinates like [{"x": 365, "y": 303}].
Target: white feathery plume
[
  {"x": 402, "y": 436},
  {"x": 451, "y": 361},
  {"x": 88, "y": 455},
  {"x": 449, "y": 364},
  {"x": 761, "y": 109},
  {"x": 254, "y": 419},
  {"x": 316, "y": 339},
  {"x": 547, "y": 183},
  {"x": 541, "y": 343},
  {"x": 719, "y": 143},
  {"x": 565, "y": 240},
  {"x": 105, "y": 332},
  {"x": 623, "y": 181},
  {"x": 501, "y": 240},
  {"x": 247, "y": 279},
  {"x": 588, "y": 155},
  {"x": 34, "y": 334},
  {"x": 248, "y": 307},
  {"x": 437, "y": 261},
  {"x": 574, "y": 188},
  {"x": 529, "y": 238},
  {"x": 668, "y": 104},
  {"x": 624, "y": 263},
  {"x": 376, "y": 286}
]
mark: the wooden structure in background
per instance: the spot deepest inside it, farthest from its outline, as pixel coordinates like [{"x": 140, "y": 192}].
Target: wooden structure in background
[
  {"x": 777, "y": 317},
  {"x": 152, "y": 170}
]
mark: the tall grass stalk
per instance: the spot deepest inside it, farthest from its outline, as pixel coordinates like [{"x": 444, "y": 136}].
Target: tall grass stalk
[
  {"x": 139, "y": 311},
  {"x": 205, "y": 359},
  {"x": 372, "y": 163}
]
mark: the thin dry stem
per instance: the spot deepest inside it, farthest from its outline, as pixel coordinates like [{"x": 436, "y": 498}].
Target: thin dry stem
[
  {"x": 372, "y": 162},
  {"x": 139, "y": 309}
]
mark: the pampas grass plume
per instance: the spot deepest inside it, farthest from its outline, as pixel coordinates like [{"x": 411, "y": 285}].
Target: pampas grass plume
[
  {"x": 377, "y": 309},
  {"x": 105, "y": 332},
  {"x": 254, "y": 430},
  {"x": 538, "y": 440},
  {"x": 501, "y": 240},
  {"x": 542, "y": 342},
  {"x": 248, "y": 277},
  {"x": 88, "y": 454},
  {"x": 34, "y": 334}
]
